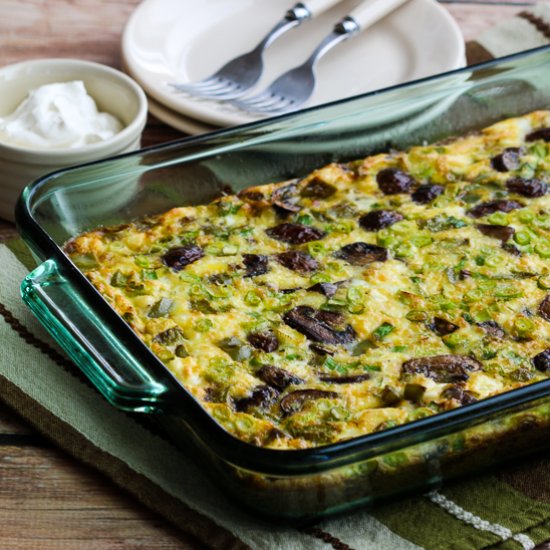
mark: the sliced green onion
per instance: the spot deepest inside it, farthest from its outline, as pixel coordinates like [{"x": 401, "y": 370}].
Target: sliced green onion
[
  {"x": 319, "y": 278},
  {"x": 354, "y": 294},
  {"x": 316, "y": 248},
  {"x": 522, "y": 237},
  {"x": 498, "y": 218},
  {"x": 453, "y": 340},
  {"x": 404, "y": 250},
  {"x": 372, "y": 368},
  {"x": 142, "y": 261},
  {"x": 482, "y": 316},
  {"x": 196, "y": 290},
  {"x": 523, "y": 327},
  {"x": 252, "y": 299},
  {"x": 85, "y": 261},
  {"x": 203, "y": 325},
  {"x": 417, "y": 315},
  {"x": 493, "y": 261},
  {"x": 543, "y": 249},
  {"x": 385, "y": 237},
  {"x": 525, "y": 216},
  {"x": 543, "y": 282},
  {"x": 527, "y": 170},
  {"x": 189, "y": 278},
  {"x": 538, "y": 149},
  {"x": 474, "y": 295},
  {"x": 339, "y": 413},
  {"x": 229, "y": 249},
  {"x": 508, "y": 292},
  {"x": 422, "y": 240}
]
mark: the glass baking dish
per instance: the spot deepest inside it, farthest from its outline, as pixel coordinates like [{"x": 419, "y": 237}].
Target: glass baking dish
[{"x": 297, "y": 484}]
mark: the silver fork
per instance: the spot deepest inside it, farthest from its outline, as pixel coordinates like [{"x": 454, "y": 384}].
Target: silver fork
[
  {"x": 237, "y": 76},
  {"x": 295, "y": 87}
]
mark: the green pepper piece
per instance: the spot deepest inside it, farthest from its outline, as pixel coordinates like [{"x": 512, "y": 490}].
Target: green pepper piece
[
  {"x": 161, "y": 308},
  {"x": 383, "y": 330}
]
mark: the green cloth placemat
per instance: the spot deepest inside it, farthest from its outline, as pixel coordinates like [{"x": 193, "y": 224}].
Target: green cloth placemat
[{"x": 506, "y": 510}]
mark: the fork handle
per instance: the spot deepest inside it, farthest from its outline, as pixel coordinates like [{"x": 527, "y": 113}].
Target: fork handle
[
  {"x": 371, "y": 11},
  {"x": 316, "y": 7}
]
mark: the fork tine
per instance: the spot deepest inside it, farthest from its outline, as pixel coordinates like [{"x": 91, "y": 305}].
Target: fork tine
[
  {"x": 253, "y": 100},
  {"x": 231, "y": 88},
  {"x": 272, "y": 102},
  {"x": 204, "y": 87}
]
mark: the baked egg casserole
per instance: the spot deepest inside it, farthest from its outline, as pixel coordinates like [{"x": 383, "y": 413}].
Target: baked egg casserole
[{"x": 359, "y": 297}]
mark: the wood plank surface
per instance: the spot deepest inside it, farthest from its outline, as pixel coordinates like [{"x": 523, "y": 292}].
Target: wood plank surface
[{"x": 47, "y": 499}]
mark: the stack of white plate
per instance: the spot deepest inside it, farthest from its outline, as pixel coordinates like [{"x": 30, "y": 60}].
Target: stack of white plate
[{"x": 171, "y": 41}]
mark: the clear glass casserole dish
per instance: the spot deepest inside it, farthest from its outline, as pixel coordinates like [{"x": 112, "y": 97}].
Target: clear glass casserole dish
[{"x": 296, "y": 484}]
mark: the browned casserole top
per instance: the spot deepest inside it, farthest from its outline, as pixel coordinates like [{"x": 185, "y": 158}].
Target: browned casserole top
[{"x": 359, "y": 297}]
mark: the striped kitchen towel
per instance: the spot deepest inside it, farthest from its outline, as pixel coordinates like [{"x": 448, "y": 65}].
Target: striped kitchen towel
[{"x": 509, "y": 509}]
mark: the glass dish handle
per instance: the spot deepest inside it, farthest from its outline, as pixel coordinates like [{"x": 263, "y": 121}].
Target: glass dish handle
[{"x": 89, "y": 341}]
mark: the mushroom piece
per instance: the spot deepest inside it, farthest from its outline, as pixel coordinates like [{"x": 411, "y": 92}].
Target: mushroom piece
[
  {"x": 427, "y": 193},
  {"x": 442, "y": 368},
  {"x": 492, "y": 329},
  {"x": 318, "y": 326},
  {"x": 442, "y": 327},
  {"x": 277, "y": 377},
  {"x": 501, "y": 232},
  {"x": 295, "y": 233},
  {"x": 301, "y": 262},
  {"x": 361, "y": 254},
  {"x": 261, "y": 398},
  {"x": 511, "y": 249},
  {"x": 326, "y": 289},
  {"x": 316, "y": 188},
  {"x": 490, "y": 207},
  {"x": 266, "y": 341},
  {"x": 294, "y": 402},
  {"x": 286, "y": 197},
  {"x": 392, "y": 181},
  {"x": 507, "y": 160},
  {"x": 251, "y": 195},
  {"x": 352, "y": 379},
  {"x": 458, "y": 393},
  {"x": 255, "y": 264},
  {"x": 541, "y": 361},
  {"x": 542, "y": 133},
  {"x": 531, "y": 188},
  {"x": 178, "y": 258},
  {"x": 544, "y": 308},
  {"x": 379, "y": 219}
]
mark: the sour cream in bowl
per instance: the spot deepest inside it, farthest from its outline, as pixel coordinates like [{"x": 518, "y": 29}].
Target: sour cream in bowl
[{"x": 56, "y": 113}]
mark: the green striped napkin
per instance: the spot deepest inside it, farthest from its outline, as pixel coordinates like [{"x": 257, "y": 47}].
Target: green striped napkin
[{"x": 509, "y": 509}]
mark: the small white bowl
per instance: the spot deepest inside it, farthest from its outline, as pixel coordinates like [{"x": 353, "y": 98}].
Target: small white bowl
[{"x": 113, "y": 92}]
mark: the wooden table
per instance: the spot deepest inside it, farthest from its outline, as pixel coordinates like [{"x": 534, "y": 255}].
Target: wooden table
[{"x": 47, "y": 499}]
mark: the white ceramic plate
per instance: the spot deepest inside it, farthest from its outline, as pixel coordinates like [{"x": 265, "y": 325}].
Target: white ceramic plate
[
  {"x": 176, "y": 120},
  {"x": 168, "y": 41}
]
